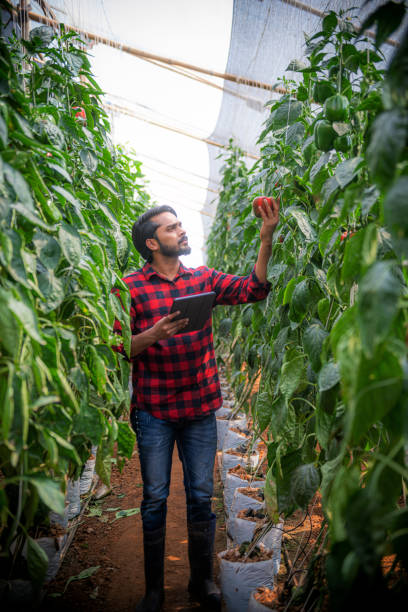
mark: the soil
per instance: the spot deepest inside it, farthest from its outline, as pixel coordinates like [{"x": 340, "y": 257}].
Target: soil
[
  {"x": 256, "y": 493},
  {"x": 116, "y": 548},
  {"x": 232, "y": 451},
  {"x": 241, "y": 472},
  {"x": 238, "y": 431},
  {"x": 242, "y": 514},
  {"x": 235, "y": 556},
  {"x": 266, "y": 597}
]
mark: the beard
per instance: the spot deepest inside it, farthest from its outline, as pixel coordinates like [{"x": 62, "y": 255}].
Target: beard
[{"x": 168, "y": 251}]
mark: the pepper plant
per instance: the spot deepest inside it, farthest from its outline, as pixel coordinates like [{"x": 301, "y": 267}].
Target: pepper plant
[
  {"x": 68, "y": 198},
  {"x": 329, "y": 345}
]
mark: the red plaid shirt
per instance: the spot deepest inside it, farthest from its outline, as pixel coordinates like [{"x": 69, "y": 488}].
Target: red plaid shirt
[{"x": 177, "y": 378}]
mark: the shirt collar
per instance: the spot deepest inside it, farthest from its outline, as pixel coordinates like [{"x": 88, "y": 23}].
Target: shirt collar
[{"x": 149, "y": 271}]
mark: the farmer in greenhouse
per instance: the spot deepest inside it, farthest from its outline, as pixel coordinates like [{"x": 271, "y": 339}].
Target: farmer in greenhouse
[{"x": 176, "y": 389}]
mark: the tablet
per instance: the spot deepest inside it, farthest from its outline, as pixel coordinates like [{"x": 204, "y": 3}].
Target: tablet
[{"x": 196, "y": 308}]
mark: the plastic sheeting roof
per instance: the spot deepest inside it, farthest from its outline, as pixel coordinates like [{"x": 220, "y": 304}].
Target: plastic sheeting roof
[{"x": 166, "y": 116}]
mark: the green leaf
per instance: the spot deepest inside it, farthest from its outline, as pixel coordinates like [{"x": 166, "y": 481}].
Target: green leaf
[
  {"x": 288, "y": 112},
  {"x": 10, "y": 330},
  {"x": 396, "y": 214},
  {"x": 224, "y": 327},
  {"x": 89, "y": 422},
  {"x": 47, "y": 248},
  {"x": 304, "y": 483},
  {"x": 352, "y": 257},
  {"x": 329, "y": 22},
  {"x": 302, "y": 299},
  {"x": 70, "y": 242},
  {"x": 292, "y": 373},
  {"x": 323, "y": 309},
  {"x": 263, "y": 410},
  {"x": 313, "y": 339},
  {"x": 67, "y": 195},
  {"x": 304, "y": 224},
  {"x": 3, "y": 132},
  {"x": 50, "y": 493},
  {"x": 387, "y": 17},
  {"x": 125, "y": 513},
  {"x": 289, "y": 463},
  {"x": 329, "y": 376},
  {"x": 388, "y": 137},
  {"x": 296, "y": 65},
  {"x": 290, "y": 287},
  {"x": 271, "y": 500},
  {"x": 346, "y": 171},
  {"x": 369, "y": 198},
  {"x": 108, "y": 187},
  {"x": 37, "y": 562},
  {"x": 378, "y": 296},
  {"x": 32, "y": 217},
  {"x": 126, "y": 439},
  {"x": 27, "y": 317},
  {"x": 294, "y": 134},
  {"x": 61, "y": 171},
  {"x": 378, "y": 387},
  {"x": 89, "y": 160},
  {"x": 19, "y": 186},
  {"x": 82, "y": 576},
  {"x": 103, "y": 464},
  {"x": 52, "y": 288},
  {"x": 42, "y": 35}
]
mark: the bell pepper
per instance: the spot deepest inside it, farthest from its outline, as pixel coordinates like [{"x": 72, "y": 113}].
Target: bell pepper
[
  {"x": 336, "y": 108},
  {"x": 322, "y": 90},
  {"x": 342, "y": 143},
  {"x": 324, "y": 135}
]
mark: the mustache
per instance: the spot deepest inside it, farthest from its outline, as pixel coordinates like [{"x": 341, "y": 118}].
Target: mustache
[{"x": 183, "y": 239}]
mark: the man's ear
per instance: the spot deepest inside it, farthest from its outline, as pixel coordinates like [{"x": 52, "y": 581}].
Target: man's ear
[{"x": 152, "y": 244}]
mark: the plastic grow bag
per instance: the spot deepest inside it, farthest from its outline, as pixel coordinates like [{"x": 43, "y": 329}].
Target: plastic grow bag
[
  {"x": 232, "y": 482},
  {"x": 240, "y": 501},
  {"x": 238, "y": 580}
]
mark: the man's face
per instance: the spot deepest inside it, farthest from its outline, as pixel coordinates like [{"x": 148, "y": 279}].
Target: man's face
[{"x": 170, "y": 237}]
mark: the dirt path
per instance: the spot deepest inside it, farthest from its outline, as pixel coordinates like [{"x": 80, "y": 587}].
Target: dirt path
[{"x": 116, "y": 547}]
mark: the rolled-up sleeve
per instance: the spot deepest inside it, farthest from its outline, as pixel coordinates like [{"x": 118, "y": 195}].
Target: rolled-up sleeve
[{"x": 232, "y": 289}]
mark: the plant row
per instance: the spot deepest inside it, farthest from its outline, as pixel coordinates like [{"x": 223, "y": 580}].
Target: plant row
[
  {"x": 329, "y": 345},
  {"x": 68, "y": 199}
]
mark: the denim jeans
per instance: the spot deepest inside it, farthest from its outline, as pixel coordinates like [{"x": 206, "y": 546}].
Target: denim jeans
[{"x": 196, "y": 444}]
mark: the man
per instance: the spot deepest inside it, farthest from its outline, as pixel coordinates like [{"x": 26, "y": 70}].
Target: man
[{"x": 176, "y": 389}]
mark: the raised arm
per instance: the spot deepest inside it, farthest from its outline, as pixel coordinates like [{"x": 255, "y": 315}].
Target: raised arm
[{"x": 270, "y": 218}]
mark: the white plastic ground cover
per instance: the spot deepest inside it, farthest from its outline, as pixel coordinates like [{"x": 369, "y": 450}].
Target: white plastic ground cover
[
  {"x": 73, "y": 499},
  {"x": 256, "y": 606},
  {"x": 230, "y": 460},
  {"x": 232, "y": 482},
  {"x": 238, "y": 580},
  {"x": 240, "y": 501},
  {"x": 241, "y": 530},
  {"x": 85, "y": 482}
]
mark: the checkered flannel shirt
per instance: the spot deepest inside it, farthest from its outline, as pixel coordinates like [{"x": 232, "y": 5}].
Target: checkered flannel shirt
[{"x": 177, "y": 378}]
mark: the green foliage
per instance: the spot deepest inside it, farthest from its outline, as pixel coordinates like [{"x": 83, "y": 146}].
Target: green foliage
[
  {"x": 68, "y": 199},
  {"x": 333, "y": 340}
]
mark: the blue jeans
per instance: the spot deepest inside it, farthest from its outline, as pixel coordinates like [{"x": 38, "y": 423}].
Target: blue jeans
[{"x": 196, "y": 444}]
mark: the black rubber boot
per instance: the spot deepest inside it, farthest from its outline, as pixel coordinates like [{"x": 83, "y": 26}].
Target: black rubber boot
[
  {"x": 153, "y": 542},
  {"x": 200, "y": 553}
]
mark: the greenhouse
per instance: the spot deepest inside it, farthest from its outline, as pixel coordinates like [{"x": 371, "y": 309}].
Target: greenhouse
[{"x": 204, "y": 245}]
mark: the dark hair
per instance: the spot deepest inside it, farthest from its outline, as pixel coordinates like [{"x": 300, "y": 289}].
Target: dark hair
[{"x": 145, "y": 228}]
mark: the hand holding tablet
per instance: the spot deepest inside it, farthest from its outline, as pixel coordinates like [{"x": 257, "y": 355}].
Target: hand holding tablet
[{"x": 196, "y": 308}]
